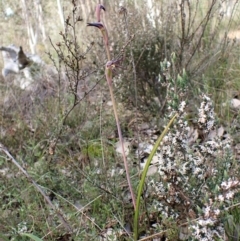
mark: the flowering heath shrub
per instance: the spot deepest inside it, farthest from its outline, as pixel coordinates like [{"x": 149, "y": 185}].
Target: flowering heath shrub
[{"x": 198, "y": 177}]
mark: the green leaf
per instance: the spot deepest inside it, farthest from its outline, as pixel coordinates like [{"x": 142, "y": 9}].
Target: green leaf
[
  {"x": 199, "y": 210},
  {"x": 225, "y": 174},
  {"x": 173, "y": 57},
  {"x": 144, "y": 174},
  {"x": 33, "y": 237}
]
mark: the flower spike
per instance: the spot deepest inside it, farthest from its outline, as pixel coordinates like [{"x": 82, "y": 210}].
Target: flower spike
[
  {"x": 104, "y": 33},
  {"x": 111, "y": 64},
  {"x": 98, "y": 10},
  {"x": 98, "y": 25},
  {"x": 114, "y": 63}
]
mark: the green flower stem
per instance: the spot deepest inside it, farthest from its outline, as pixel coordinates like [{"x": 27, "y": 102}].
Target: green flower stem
[{"x": 144, "y": 174}]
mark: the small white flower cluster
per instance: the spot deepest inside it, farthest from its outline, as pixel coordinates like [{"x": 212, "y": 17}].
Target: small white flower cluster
[
  {"x": 226, "y": 185},
  {"x": 228, "y": 188},
  {"x": 208, "y": 226},
  {"x": 206, "y": 115},
  {"x": 22, "y": 227},
  {"x": 202, "y": 230},
  {"x": 182, "y": 106},
  {"x": 193, "y": 170}
]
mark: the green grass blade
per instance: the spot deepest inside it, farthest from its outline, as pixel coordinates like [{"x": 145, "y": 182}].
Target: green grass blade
[
  {"x": 33, "y": 237},
  {"x": 144, "y": 174}
]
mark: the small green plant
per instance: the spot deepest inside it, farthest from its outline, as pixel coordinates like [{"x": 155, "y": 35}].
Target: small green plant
[{"x": 144, "y": 173}]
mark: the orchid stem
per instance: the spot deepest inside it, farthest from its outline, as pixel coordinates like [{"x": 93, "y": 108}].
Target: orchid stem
[
  {"x": 109, "y": 80},
  {"x": 108, "y": 71}
]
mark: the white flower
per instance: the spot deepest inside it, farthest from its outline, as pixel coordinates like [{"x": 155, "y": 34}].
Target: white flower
[
  {"x": 207, "y": 211},
  {"x": 203, "y": 148},
  {"x": 202, "y": 118},
  {"x": 221, "y": 198},
  {"x": 229, "y": 195},
  {"x": 182, "y": 106},
  {"x": 225, "y": 185},
  {"x": 231, "y": 183},
  {"x": 210, "y": 124},
  {"x": 201, "y": 176},
  {"x": 207, "y": 108},
  {"x": 197, "y": 170},
  {"x": 165, "y": 139},
  {"x": 169, "y": 166},
  {"x": 217, "y": 211},
  {"x": 206, "y": 222},
  {"x": 206, "y": 98},
  {"x": 198, "y": 160},
  {"x": 168, "y": 64}
]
